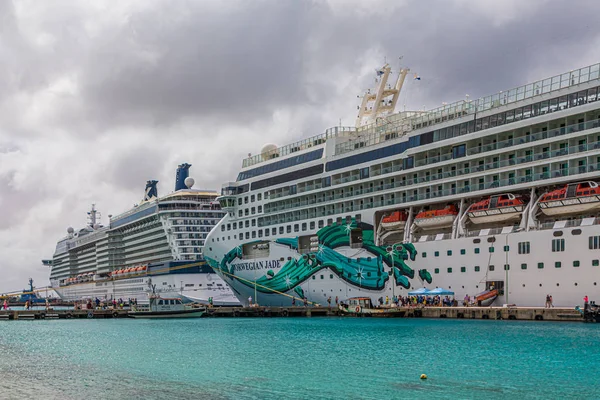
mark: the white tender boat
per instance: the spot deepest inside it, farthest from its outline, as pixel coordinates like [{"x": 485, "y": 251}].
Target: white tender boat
[{"x": 160, "y": 307}]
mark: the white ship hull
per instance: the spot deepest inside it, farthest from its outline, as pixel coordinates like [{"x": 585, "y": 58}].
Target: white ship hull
[
  {"x": 528, "y": 284},
  {"x": 188, "y": 287}
]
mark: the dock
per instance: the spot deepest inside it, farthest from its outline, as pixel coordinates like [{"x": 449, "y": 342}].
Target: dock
[{"x": 489, "y": 313}]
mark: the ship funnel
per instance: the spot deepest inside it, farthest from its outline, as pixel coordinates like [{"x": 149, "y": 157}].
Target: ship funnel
[
  {"x": 150, "y": 190},
  {"x": 182, "y": 173}
]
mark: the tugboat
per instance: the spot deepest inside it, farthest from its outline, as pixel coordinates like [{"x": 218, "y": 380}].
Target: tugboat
[
  {"x": 499, "y": 208},
  {"x": 434, "y": 219},
  {"x": 572, "y": 198}
]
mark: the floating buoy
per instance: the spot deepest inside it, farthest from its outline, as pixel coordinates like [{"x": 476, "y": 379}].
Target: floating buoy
[{"x": 423, "y": 376}]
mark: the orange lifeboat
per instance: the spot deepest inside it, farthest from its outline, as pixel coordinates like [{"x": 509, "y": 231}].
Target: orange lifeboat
[
  {"x": 572, "y": 198},
  {"x": 486, "y": 298},
  {"x": 433, "y": 219},
  {"x": 394, "y": 221},
  {"x": 499, "y": 208}
]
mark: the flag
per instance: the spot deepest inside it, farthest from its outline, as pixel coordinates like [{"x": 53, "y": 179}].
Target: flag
[{"x": 417, "y": 77}]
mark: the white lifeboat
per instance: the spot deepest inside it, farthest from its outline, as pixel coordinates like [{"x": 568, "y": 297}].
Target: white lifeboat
[
  {"x": 499, "y": 208},
  {"x": 434, "y": 219},
  {"x": 394, "y": 221},
  {"x": 572, "y": 198}
]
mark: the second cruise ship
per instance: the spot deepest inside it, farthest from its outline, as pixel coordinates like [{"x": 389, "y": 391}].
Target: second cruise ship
[{"x": 155, "y": 246}]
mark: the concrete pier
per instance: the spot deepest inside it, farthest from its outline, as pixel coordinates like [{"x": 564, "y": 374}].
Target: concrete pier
[{"x": 495, "y": 313}]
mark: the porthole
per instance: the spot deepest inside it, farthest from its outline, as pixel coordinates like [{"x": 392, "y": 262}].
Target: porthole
[
  {"x": 540, "y": 285},
  {"x": 557, "y": 233},
  {"x": 523, "y": 285},
  {"x": 575, "y": 283},
  {"x": 558, "y": 284},
  {"x": 576, "y": 232}
]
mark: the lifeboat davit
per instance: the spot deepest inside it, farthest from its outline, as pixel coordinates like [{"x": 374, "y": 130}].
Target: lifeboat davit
[
  {"x": 500, "y": 208},
  {"x": 395, "y": 220},
  {"x": 436, "y": 218},
  {"x": 572, "y": 198}
]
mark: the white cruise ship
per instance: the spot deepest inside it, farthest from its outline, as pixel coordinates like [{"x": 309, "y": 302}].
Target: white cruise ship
[
  {"x": 157, "y": 246},
  {"x": 496, "y": 196}
]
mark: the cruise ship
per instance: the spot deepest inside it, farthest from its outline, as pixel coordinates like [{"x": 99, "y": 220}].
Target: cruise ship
[
  {"x": 154, "y": 247},
  {"x": 496, "y": 196}
]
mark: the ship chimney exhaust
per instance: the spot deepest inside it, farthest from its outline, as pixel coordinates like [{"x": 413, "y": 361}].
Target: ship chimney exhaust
[
  {"x": 182, "y": 173},
  {"x": 150, "y": 190}
]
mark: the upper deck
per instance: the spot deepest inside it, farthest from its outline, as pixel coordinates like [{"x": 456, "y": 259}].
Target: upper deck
[{"x": 400, "y": 124}]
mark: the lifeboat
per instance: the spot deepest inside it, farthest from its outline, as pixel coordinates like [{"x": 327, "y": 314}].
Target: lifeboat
[
  {"x": 500, "y": 208},
  {"x": 394, "y": 221},
  {"x": 572, "y": 198},
  {"x": 486, "y": 298},
  {"x": 433, "y": 219}
]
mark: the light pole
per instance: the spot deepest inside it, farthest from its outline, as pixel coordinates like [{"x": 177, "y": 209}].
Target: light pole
[{"x": 390, "y": 250}]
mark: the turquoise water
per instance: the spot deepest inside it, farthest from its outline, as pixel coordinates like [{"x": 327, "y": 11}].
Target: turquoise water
[{"x": 300, "y": 358}]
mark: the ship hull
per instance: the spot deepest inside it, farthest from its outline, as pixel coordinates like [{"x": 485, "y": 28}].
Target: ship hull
[
  {"x": 187, "y": 287},
  {"x": 567, "y": 275}
]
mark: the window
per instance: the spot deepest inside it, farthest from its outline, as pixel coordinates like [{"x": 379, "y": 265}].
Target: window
[
  {"x": 491, "y": 268},
  {"x": 506, "y": 267},
  {"x": 253, "y": 222},
  {"x": 296, "y": 228},
  {"x": 356, "y": 238},
  {"x": 476, "y": 250},
  {"x": 463, "y": 269},
  {"x": 288, "y": 229},
  {"x": 595, "y": 263},
  {"x": 576, "y": 263},
  {"x": 259, "y": 209},
  {"x": 436, "y": 271},
  {"x": 437, "y": 254},
  {"x": 558, "y": 245},
  {"x": 449, "y": 252},
  {"x": 506, "y": 248},
  {"x": 253, "y": 234},
  {"x": 594, "y": 242},
  {"x": 557, "y": 264},
  {"x": 312, "y": 225},
  {"x": 540, "y": 265},
  {"x": 303, "y": 226},
  {"x": 253, "y": 210},
  {"x": 463, "y": 252},
  {"x": 523, "y": 266},
  {"x": 289, "y": 162},
  {"x": 524, "y": 248},
  {"x": 576, "y": 232},
  {"x": 477, "y": 269},
  {"x": 424, "y": 255},
  {"x": 491, "y": 249},
  {"x": 449, "y": 270},
  {"x": 459, "y": 151},
  {"x": 252, "y": 199},
  {"x": 247, "y": 223},
  {"x": 281, "y": 230},
  {"x": 321, "y": 224},
  {"x": 247, "y": 235}
]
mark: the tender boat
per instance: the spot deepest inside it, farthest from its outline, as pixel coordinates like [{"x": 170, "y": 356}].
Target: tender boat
[
  {"x": 486, "y": 298},
  {"x": 362, "y": 307},
  {"x": 160, "y": 307},
  {"x": 499, "y": 208},
  {"x": 433, "y": 219},
  {"x": 394, "y": 221},
  {"x": 572, "y": 198}
]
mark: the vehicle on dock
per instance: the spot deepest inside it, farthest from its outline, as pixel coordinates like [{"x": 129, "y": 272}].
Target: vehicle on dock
[
  {"x": 362, "y": 306},
  {"x": 160, "y": 307}
]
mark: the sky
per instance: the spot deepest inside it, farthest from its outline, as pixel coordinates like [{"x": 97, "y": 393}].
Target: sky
[{"x": 96, "y": 97}]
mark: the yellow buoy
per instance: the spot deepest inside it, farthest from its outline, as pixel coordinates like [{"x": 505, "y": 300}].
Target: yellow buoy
[{"x": 423, "y": 376}]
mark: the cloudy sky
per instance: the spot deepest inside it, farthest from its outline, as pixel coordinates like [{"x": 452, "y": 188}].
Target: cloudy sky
[{"x": 96, "y": 97}]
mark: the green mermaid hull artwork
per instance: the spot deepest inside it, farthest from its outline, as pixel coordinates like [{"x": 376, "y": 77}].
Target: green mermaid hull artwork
[{"x": 336, "y": 263}]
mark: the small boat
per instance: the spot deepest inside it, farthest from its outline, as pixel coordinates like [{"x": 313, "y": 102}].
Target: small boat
[
  {"x": 394, "y": 221},
  {"x": 160, "y": 307},
  {"x": 486, "y": 298},
  {"x": 362, "y": 307},
  {"x": 572, "y": 198},
  {"x": 433, "y": 219},
  {"x": 499, "y": 208}
]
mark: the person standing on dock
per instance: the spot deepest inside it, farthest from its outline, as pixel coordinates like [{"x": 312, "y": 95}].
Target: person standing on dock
[
  {"x": 336, "y": 300},
  {"x": 329, "y": 302},
  {"x": 547, "y": 301},
  {"x": 5, "y": 305},
  {"x": 250, "y": 301},
  {"x": 551, "y": 302}
]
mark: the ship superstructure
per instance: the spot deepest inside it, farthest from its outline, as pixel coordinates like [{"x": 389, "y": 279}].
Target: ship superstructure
[
  {"x": 157, "y": 243},
  {"x": 496, "y": 193}
]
